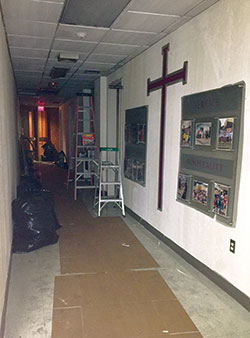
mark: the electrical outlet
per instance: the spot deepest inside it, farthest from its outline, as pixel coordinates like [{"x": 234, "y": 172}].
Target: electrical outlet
[{"x": 232, "y": 246}]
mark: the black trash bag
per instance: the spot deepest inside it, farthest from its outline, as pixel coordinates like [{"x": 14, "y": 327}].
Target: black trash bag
[
  {"x": 62, "y": 160},
  {"x": 29, "y": 184},
  {"x": 50, "y": 153},
  {"x": 35, "y": 222},
  {"x": 32, "y": 184}
]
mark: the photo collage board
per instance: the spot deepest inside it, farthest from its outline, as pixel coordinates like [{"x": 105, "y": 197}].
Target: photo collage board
[
  {"x": 135, "y": 144},
  {"x": 210, "y": 151}
]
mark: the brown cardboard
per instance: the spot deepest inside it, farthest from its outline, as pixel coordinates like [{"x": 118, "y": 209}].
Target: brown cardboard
[
  {"x": 123, "y": 305},
  {"x": 103, "y": 245},
  {"x": 67, "y": 323},
  {"x": 100, "y": 296}
]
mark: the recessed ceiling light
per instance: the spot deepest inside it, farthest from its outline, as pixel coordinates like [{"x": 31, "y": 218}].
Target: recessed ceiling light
[{"x": 81, "y": 35}]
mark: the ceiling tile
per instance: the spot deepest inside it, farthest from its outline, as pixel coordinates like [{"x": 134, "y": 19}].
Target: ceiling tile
[
  {"x": 29, "y": 42},
  {"x": 143, "y": 22},
  {"x": 132, "y": 55},
  {"x": 108, "y": 48},
  {"x": 26, "y": 73},
  {"x": 28, "y": 63},
  {"x": 28, "y": 79},
  {"x": 176, "y": 7},
  {"x": 73, "y": 46},
  {"x": 96, "y": 66},
  {"x": 106, "y": 58},
  {"x": 32, "y": 10},
  {"x": 30, "y": 87},
  {"x": 85, "y": 77},
  {"x": 68, "y": 32},
  {"x": 178, "y": 23},
  {"x": 23, "y": 52},
  {"x": 128, "y": 37},
  {"x": 93, "y": 13},
  {"x": 46, "y": 81},
  {"x": 30, "y": 28},
  {"x": 54, "y": 63},
  {"x": 201, "y": 7}
]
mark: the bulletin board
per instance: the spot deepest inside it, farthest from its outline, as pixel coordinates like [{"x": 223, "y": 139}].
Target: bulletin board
[
  {"x": 136, "y": 144},
  {"x": 211, "y": 135}
]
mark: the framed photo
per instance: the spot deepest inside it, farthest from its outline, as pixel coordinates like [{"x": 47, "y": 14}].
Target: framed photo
[
  {"x": 203, "y": 133},
  {"x": 183, "y": 187},
  {"x": 186, "y": 133},
  {"x": 225, "y": 133},
  {"x": 200, "y": 192},
  {"x": 220, "y": 199}
]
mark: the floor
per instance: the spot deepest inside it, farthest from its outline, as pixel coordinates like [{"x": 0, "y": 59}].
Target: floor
[{"x": 30, "y": 300}]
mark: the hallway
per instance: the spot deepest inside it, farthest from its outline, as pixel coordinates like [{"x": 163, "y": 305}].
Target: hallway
[{"x": 107, "y": 279}]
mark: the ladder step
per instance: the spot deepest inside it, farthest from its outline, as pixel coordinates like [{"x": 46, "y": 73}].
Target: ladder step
[
  {"x": 86, "y": 159},
  {"x": 84, "y": 133},
  {"x": 107, "y": 199},
  {"x": 86, "y": 187},
  {"x": 106, "y": 166},
  {"x": 110, "y": 183},
  {"x": 82, "y": 147}
]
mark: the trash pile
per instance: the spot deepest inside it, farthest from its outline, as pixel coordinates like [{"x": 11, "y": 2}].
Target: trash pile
[
  {"x": 34, "y": 218},
  {"x": 50, "y": 154}
]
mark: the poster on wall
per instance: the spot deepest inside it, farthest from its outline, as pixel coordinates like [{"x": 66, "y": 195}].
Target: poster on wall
[
  {"x": 220, "y": 199},
  {"x": 225, "y": 133},
  {"x": 200, "y": 192},
  {"x": 203, "y": 134},
  {"x": 186, "y": 133}
]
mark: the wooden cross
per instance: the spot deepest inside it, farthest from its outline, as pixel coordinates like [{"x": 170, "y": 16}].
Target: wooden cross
[{"x": 162, "y": 83}]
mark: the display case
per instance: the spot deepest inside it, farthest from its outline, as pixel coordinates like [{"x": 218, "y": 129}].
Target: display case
[{"x": 135, "y": 144}]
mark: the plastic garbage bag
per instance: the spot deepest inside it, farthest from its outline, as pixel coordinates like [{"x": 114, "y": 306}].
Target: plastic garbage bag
[{"x": 35, "y": 221}]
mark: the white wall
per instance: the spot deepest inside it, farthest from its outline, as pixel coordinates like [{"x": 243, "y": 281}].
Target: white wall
[
  {"x": 101, "y": 110},
  {"x": 8, "y": 160},
  {"x": 217, "y": 46}
]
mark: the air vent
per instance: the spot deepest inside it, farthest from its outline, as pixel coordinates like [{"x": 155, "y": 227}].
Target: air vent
[
  {"x": 68, "y": 57},
  {"x": 57, "y": 72},
  {"x": 91, "y": 71}
]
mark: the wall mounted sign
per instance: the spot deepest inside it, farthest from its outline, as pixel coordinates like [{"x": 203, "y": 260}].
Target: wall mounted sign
[{"x": 210, "y": 151}]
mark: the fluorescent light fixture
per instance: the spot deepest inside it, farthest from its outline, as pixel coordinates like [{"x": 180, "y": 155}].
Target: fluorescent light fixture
[{"x": 157, "y": 14}]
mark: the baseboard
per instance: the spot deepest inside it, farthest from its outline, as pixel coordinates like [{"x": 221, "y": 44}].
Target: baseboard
[
  {"x": 3, "y": 319},
  {"x": 239, "y": 296}
]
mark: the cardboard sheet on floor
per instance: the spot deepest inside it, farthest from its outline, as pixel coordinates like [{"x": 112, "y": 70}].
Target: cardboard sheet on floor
[
  {"x": 103, "y": 245},
  {"x": 119, "y": 305},
  {"x": 105, "y": 299}
]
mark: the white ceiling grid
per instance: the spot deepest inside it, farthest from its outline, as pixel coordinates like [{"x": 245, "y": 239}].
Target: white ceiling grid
[{"x": 36, "y": 38}]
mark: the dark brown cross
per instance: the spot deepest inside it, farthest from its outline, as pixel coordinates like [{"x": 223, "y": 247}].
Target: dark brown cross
[{"x": 162, "y": 83}]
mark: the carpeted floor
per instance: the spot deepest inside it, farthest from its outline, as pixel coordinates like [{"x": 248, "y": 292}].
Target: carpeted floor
[{"x": 109, "y": 286}]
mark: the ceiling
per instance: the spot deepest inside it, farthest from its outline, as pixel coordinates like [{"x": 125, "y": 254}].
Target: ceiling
[{"x": 102, "y": 34}]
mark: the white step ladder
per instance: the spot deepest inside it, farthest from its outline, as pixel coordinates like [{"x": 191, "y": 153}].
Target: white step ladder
[
  {"x": 109, "y": 187},
  {"x": 83, "y": 166}
]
